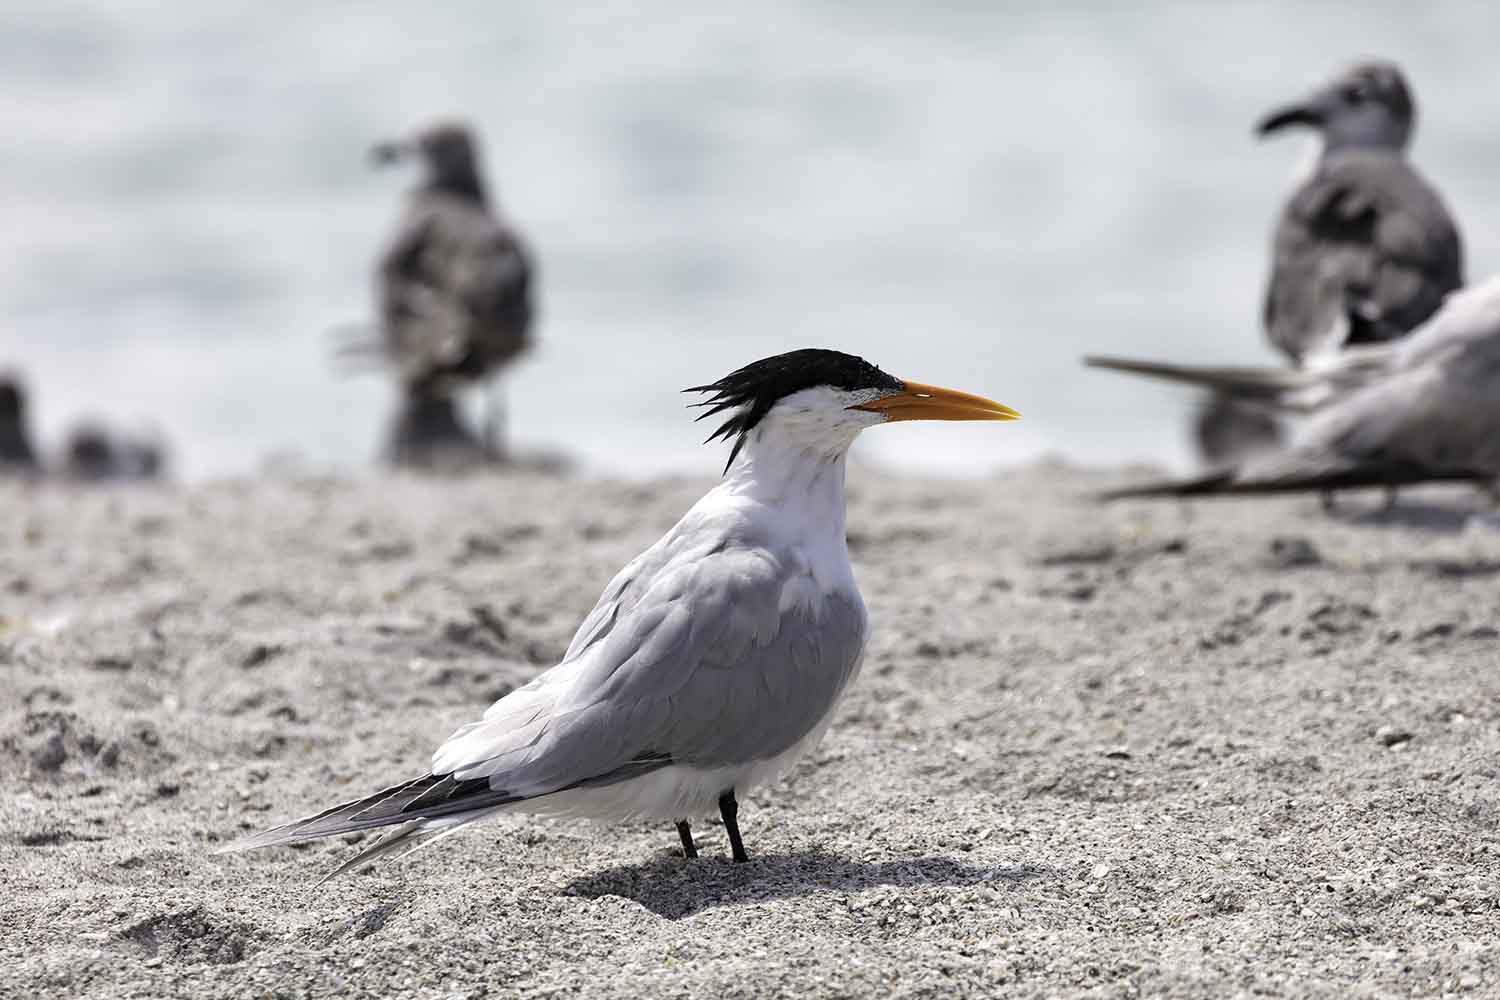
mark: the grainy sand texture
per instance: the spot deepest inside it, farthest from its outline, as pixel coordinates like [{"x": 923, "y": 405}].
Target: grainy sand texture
[{"x": 1211, "y": 750}]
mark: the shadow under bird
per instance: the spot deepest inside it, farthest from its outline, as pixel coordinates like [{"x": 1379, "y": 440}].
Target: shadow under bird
[
  {"x": 712, "y": 661},
  {"x": 454, "y": 294},
  {"x": 1364, "y": 250},
  {"x": 1422, "y": 409}
]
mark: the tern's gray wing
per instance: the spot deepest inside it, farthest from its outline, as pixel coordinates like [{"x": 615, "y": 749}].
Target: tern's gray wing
[
  {"x": 706, "y": 653},
  {"x": 454, "y": 288},
  {"x": 726, "y": 657},
  {"x": 1364, "y": 251}
]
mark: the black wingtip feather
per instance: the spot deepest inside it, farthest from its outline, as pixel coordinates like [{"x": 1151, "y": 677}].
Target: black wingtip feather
[{"x": 429, "y": 797}]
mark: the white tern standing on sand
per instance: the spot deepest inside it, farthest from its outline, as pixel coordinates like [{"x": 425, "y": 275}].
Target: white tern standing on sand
[{"x": 712, "y": 662}]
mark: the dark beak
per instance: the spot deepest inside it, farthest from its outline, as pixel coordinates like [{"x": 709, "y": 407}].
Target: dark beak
[
  {"x": 1312, "y": 111},
  {"x": 383, "y": 154},
  {"x": 1308, "y": 113}
]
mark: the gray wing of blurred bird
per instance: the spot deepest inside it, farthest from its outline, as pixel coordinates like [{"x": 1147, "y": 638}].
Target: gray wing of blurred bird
[
  {"x": 1432, "y": 415},
  {"x": 454, "y": 289},
  {"x": 1364, "y": 252}
]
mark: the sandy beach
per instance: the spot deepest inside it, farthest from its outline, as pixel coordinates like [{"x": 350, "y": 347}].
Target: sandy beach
[{"x": 1178, "y": 750}]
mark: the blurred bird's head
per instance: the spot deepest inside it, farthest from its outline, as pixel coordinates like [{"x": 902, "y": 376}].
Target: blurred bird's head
[
  {"x": 819, "y": 400},
  {"x": 446, "y": 149},
  {"x": 1369, "y": 106}
]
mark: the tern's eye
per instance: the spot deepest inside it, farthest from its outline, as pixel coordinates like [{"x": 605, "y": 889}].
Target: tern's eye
[{"x": 1356, "y": 93}]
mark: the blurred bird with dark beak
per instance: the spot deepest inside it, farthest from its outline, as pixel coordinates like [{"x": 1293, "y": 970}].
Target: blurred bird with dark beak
[
  {"x": 1364, "y": 252},
  {"x": 454, "y": 296}
]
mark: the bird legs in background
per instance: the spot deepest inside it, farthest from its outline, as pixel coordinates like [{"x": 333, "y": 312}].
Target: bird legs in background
[
  {"x": 495, "y": 420},
  {"x": 729, "y": 809},
  {"x": 685, "y": 831},
  {"x": 428, "y": 433}
]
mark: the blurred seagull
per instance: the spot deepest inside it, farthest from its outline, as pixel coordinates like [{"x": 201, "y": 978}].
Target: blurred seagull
[
  {"x": 1363, "y": 253},
  {"x": 1422, "y": 409},
  {"x": 454, "y": 294},
  {"x": 1365, "y": 250},
  {"x": 712, "y": 662}
]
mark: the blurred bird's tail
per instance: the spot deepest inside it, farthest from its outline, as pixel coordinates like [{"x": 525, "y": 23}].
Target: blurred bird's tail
[
  {"x": 1222, "y": 482},
  {"x": 1245, "y": 382},
  {"x": 358, "y": 347},
  {"x": 1209, "y": 483},
  {"x": 1286, "y": 390}
]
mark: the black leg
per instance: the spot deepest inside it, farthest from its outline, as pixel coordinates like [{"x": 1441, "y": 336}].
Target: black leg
[
  {"x": 685, "y": 831},
  {"x": 1330, "y": 502},
  {"x": 730, "y": 810},
  {"x": 1392, "y": 496}
]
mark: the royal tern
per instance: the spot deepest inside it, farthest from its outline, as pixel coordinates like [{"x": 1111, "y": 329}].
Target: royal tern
[
  {"x": 712, "y": 662},
  {"x": 454, "y": 293},
  {"x": 1422, "y": 409}
]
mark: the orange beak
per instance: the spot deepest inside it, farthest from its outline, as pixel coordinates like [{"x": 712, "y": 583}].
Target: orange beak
[{"x": 929, "y": 402}]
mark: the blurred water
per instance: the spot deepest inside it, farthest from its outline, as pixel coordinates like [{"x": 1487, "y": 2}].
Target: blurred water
[{"x": 971, "y": 194}]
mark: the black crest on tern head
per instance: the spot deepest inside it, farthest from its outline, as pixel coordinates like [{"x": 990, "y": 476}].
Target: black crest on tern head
[{"x": 754, "y": 389}]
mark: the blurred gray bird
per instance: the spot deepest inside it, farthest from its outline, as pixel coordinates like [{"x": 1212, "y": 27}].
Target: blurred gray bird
[
  {"x": 713, "y": 660},
  {"x": 17, "y": 456},
  {"x": 1422, "y": 409},
  {"x": 1364, "y": 250},
  {"x": 454, "y": 294},
  {"x": 94, "y": 453}
]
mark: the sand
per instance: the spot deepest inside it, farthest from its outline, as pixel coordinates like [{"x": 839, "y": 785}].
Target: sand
[{"x": 1206, "y": 750}]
